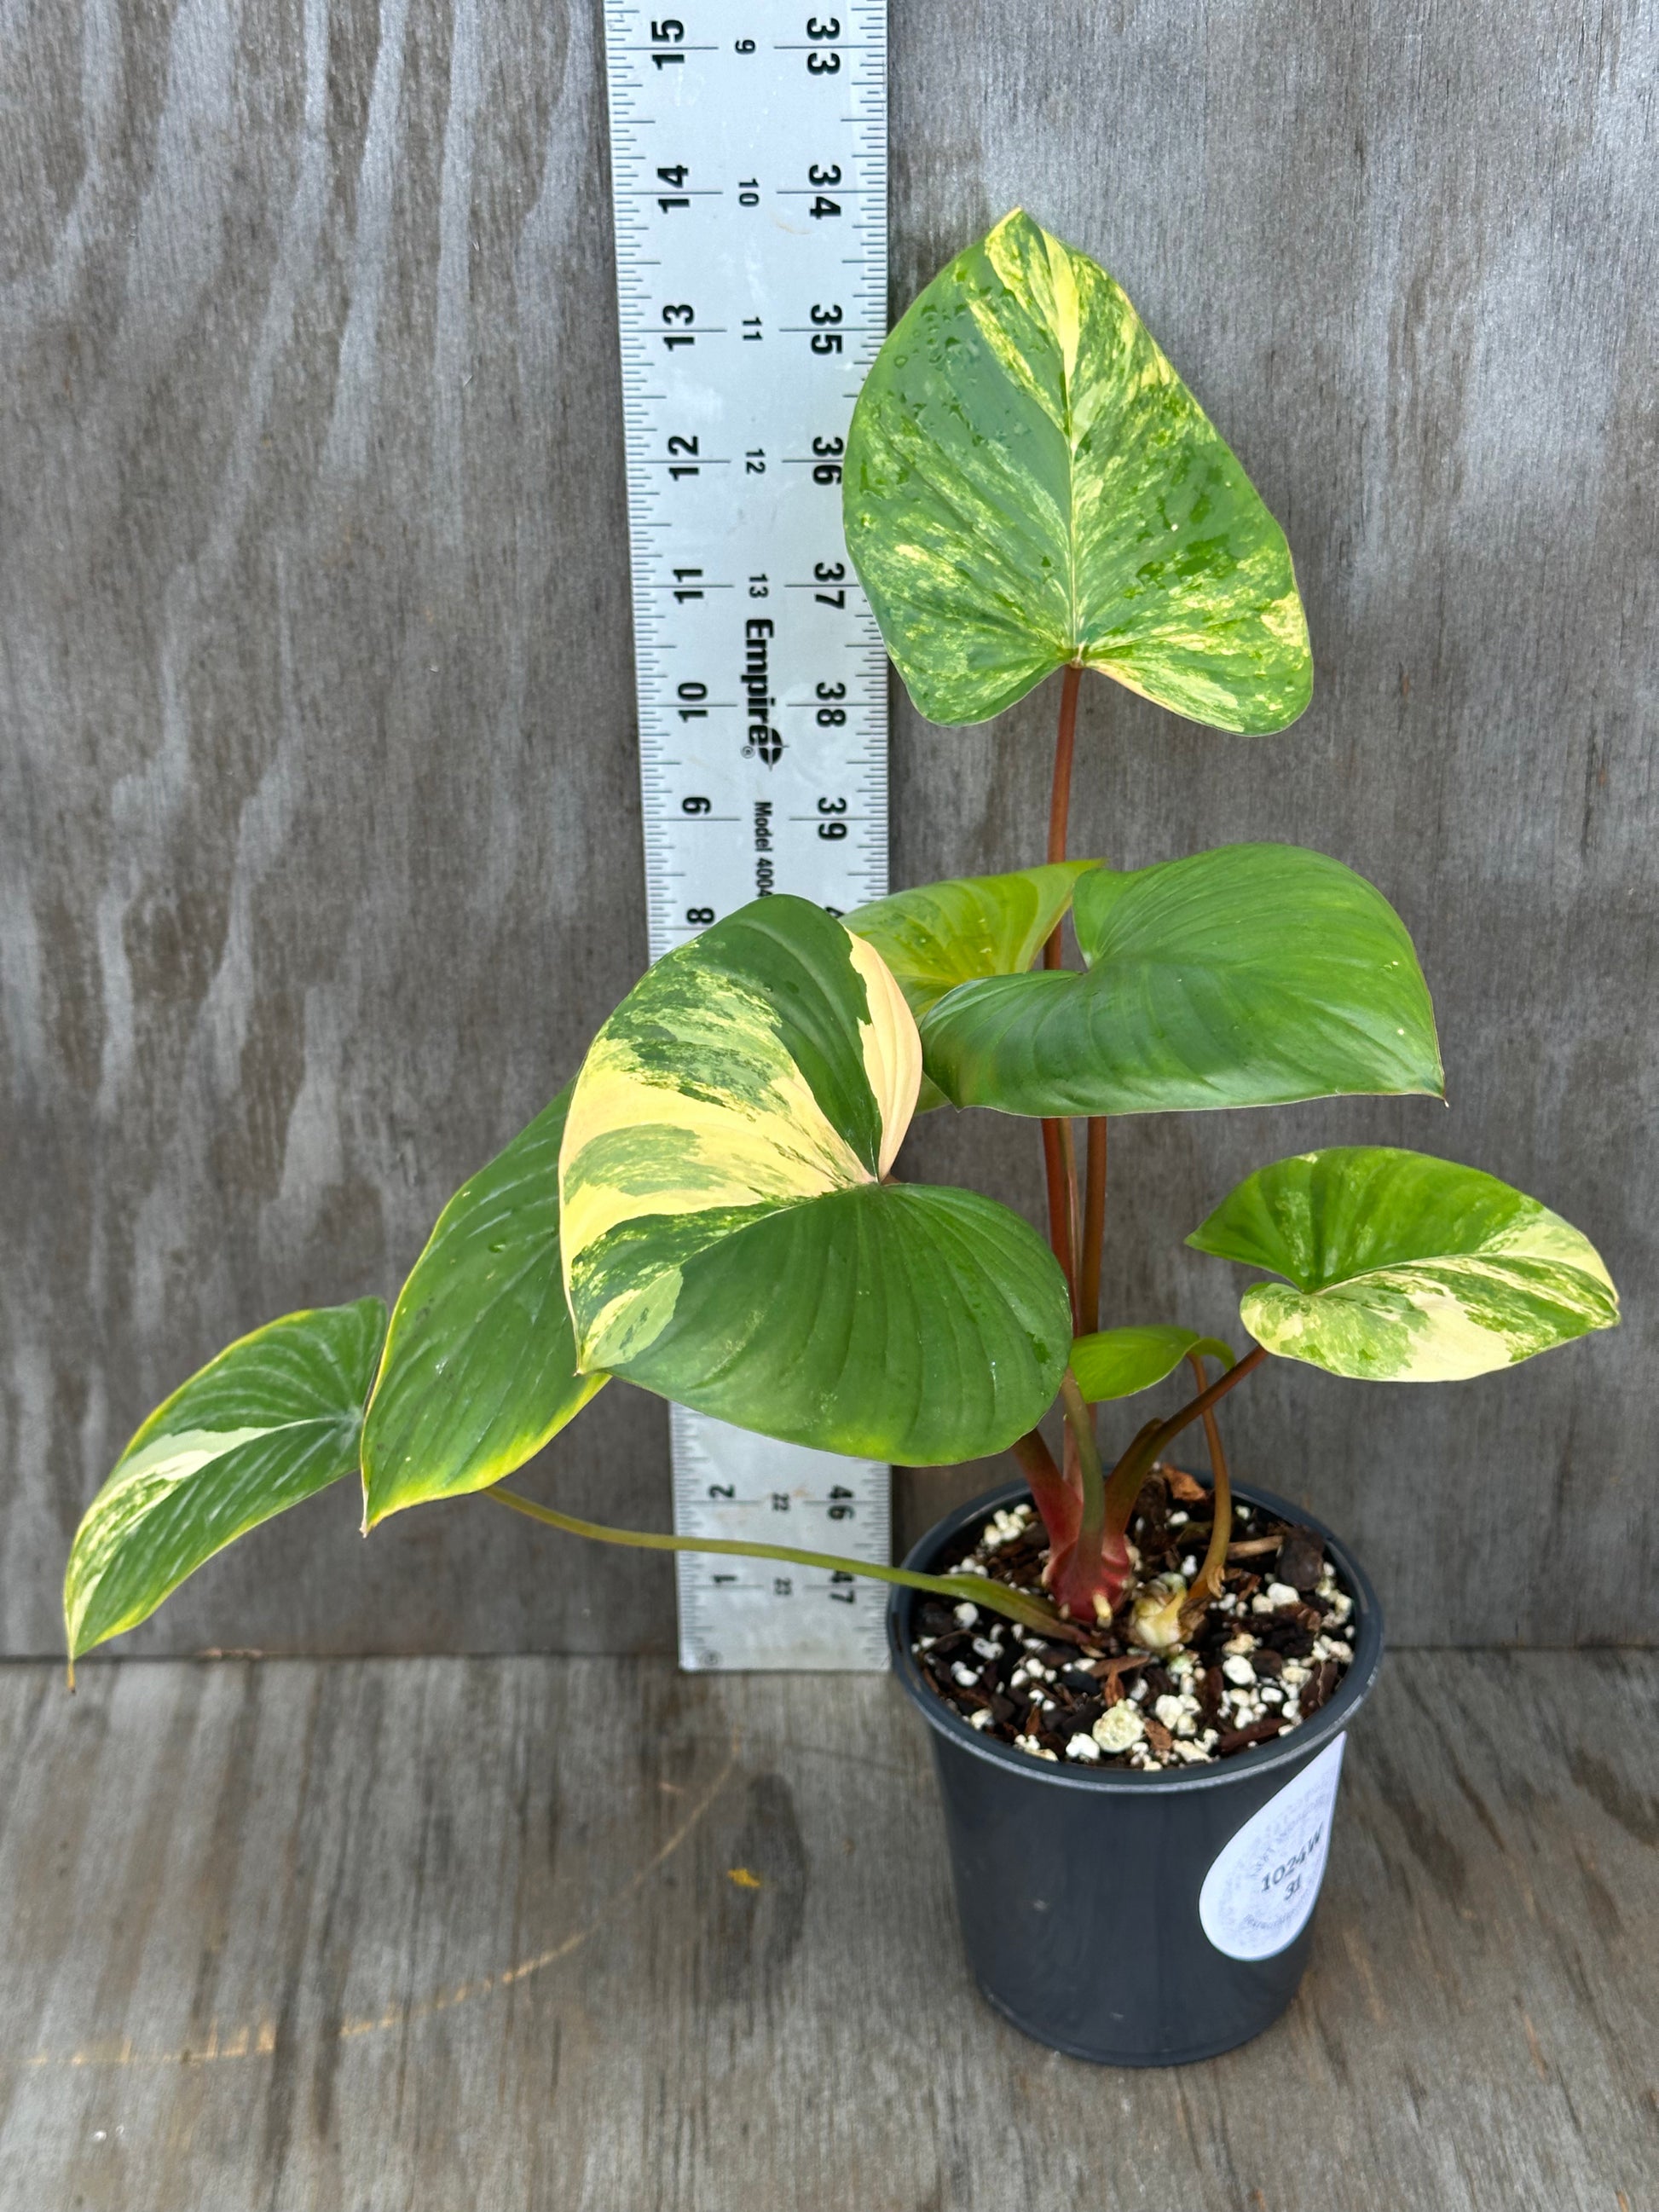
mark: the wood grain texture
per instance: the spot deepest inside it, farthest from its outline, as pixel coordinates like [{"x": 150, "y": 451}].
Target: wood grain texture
[
  {"x": 461, "y": 1933},
  {"x": 320, "y": 852}
]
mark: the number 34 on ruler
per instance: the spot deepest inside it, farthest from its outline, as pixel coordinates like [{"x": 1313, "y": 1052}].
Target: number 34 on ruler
[{"x": 748, "y": 169}]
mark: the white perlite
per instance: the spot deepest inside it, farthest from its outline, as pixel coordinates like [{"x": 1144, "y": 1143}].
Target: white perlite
[
  {"x": 1174, "y": 1723},
  {"x": 1005, "y": 1527},
  {"x": 1119, "y": 1727}
]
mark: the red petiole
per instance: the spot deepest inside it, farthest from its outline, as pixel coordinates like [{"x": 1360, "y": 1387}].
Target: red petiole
[{"x": 1087, "y": 1514}]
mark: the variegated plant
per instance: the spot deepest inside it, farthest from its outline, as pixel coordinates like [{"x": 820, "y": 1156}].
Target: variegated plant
[{"x": 710, "y": 1211}]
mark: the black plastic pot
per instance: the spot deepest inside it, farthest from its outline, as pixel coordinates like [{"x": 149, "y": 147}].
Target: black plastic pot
[{"x": 1138, "y": 1919}]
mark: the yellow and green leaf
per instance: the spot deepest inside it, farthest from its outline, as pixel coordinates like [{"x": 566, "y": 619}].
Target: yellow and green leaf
[
  {"x": 1406, "y": 1268},
  {"x": 479, "y": 1369},
  {"x": 729, "y": 1241},
  {"x": 942, "y": 934},
  {"x": 276, "y": 1417},
  {"x": 1027, "y": 483}
]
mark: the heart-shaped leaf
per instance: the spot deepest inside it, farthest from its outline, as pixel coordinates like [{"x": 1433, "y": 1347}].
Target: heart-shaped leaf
[
  {"x": 1247, "y": 976},
  {"x": 1407, "y": 1269},
  {"x": 728, "y": 1240},
  {"x": 1115, "y": 1362},
  {"x": 275, "y": 1417},
  {"x": 479, "y": 1369},
  {"x": 1029, "y": 483},
  {"x": 942, "y": 934}
]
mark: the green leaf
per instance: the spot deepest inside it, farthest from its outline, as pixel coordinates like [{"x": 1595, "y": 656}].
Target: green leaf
[
  {"x": 479, "y": 1369},
  {"x": 728, "y": 1240},
  {"x": 1115, "y": 1362},
  {"x": 1407, "y": 1269},
  {"x": 942, "y": 934},
  {"x": 909, "y": 1323},
  {"x": 1029, "y": 483},
  {"x": 275, "y": 1417},
  {"x": 1247, "y": 976}
]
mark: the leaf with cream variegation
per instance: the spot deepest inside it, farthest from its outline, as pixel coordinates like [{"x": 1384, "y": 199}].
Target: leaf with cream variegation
[
  {"x": 1029, "y": 483},
  {"x": 1406, "y": 1268},
  {"x": 479, "y": 1369},
  {"x": 942, "y": 934},
  {"x": 276, "y": 1418},
  {"x": 729, "y": 1240}
]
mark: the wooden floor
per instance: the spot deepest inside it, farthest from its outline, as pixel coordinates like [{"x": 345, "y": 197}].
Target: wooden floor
[{"x": 436, "y": 1933}]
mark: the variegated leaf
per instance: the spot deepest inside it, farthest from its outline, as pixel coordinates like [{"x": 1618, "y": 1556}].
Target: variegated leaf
[
  {"x": 1029, "y": 483},
  {"x": 275, "y": 1418},
  {"x": 942, "y": 934},
  {"x": 479, "y": 1369},
  {"x": 1406, "y": 1268},
  {"x": 728, "y": 1239}
]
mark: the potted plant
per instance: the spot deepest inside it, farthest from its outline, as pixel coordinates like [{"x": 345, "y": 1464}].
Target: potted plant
[{"x": 1136, "y": 1683}]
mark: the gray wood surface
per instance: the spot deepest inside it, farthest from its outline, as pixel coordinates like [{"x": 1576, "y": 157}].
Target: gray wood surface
[
  {"x": 360, "y": 1935},
  {"x": 319, "y": 832}
]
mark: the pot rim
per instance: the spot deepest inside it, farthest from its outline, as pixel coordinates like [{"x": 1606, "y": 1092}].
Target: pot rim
[{"x": 1281, "y": 1752}]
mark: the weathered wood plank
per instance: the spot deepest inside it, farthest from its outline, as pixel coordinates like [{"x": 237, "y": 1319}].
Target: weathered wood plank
[
  {"x": 462, "y": 1932},
  {"x": 319, "y": 851},
  {"x": 320, "y": 855},
  {"x": 1368, "y": 240}
]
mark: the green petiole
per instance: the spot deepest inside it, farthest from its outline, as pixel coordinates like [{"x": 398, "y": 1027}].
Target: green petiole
[{"x": 1031, "y": 1611}]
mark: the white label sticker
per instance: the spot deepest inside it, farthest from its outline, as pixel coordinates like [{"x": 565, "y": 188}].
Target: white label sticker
[{"x": 1257, "y": 1896}]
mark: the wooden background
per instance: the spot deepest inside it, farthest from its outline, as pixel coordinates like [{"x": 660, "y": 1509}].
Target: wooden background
[{"x": 321, "y": 844}]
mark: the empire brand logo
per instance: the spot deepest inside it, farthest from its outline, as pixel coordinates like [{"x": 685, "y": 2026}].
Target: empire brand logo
[{"x": 762, "y": 741}]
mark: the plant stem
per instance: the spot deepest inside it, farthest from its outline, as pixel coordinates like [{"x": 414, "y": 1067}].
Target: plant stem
[
  {"x": 1059, "y": 792},
  {"x": 1062, "y": 1198},
  {"x": 1058, "y": 1501},
  {"x": 1060, "y": 1206},
  {"x": 1208, "y": 1583},
  {"x": 1116, "y": 1568},
  {"x": 1082, "y": 1268},
  {"x": 1094, "y": 1226},
  {"x": 1123, "y": 1484},
  {"x": 1080, "y": 1422},
  {"x": 1073, "y": 1228},
  {"x": 1030, "y": 1611}
]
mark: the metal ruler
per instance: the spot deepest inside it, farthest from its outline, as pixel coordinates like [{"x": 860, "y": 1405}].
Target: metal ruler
[{"x": 748, "y": 169}]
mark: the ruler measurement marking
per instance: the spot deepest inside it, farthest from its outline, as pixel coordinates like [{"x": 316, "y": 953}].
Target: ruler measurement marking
[{"x": 778, "y": 800}]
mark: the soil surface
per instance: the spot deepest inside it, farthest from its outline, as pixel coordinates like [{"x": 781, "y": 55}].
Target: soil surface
[{"x": 1261, "y": 1659}]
